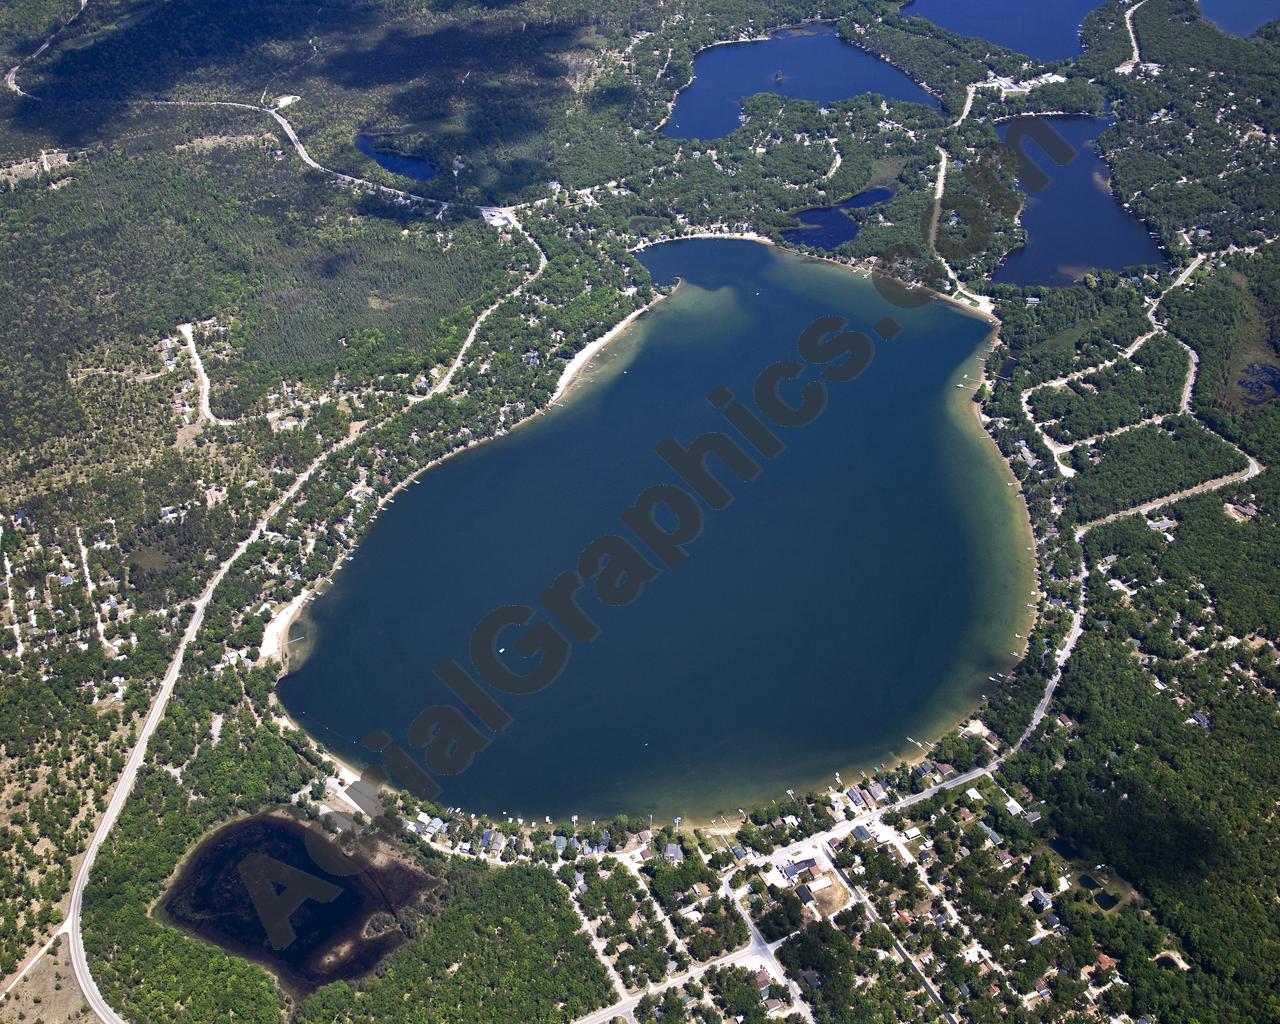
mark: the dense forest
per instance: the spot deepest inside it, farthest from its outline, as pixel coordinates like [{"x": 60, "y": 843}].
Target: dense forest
[
  {"x": 1183, "y": 809},
  {"x": 1129, "y": 391},
  {"x": 1189, "y": 147},
  {"x": 509, "y": 949},
  {"x": 312, "y": 280},
  {"x": 25, "y": 24},
  {"x": 1127, "y": 469}
]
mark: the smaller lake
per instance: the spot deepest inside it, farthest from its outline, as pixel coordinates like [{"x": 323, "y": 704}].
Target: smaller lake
[
  {"x": 343, "y": 931},
  {"x": 829, "y": 227},
  {"x": 1074, "y": 224},
  {"x": 415, "y": 167},
  {"x": 1240, "y": 17},
  {"x": 1048, "y": 30},
  {"x": 810, "y": 63}
]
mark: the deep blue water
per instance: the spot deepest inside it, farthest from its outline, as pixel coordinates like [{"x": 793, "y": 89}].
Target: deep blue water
[
  {"x": 1047, "y": 30},
  {"x": 816, "y": 64},
  {"x": 861, "y": 589},
  {"x": 414, "y": 167},
  {"x": 1074, "y": 224},
  {"x": 829, "y": 227},
  {"x": 1240, "y": 17}
]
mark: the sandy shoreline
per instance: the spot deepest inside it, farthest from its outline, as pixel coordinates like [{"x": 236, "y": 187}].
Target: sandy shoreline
[
  {"x": 277, "y": 630},
  {"x": 345, "y": 772},
  {"x": 1027, "y": 527},
  {"x": 913, "y": 753},
  {"x": 864, "y": 267},
  {"x": 275, "y": 638},
  {"x": 579, "y": 362},
  {"x": 746, "y": 236}
]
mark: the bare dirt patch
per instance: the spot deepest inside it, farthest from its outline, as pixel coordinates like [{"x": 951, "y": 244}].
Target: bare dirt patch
[
  {"x": 42, "y": 164},
  {"x": 208, "y": 142},
  {"x": 48, "y": 992}
]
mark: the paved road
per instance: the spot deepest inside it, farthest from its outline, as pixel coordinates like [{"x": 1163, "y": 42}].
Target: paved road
[
  {"x": 138, "y": 754},
  {"x": 127, "y": 778},
  {"x": 757, "y": 950},
  {"x": 1248, "y": 473},
  {"x": 755, "y": 955},
  {"x": 874, "y": 916},
  {"x": 1184, "y": 405}
]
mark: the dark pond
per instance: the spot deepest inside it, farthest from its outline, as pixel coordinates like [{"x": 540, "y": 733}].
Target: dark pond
[
  {"x": 814, "y": 62},
  {"x": 861, "y": 590},
  {"x": 415, "y": 167},
  {"x": 1090, "y": 883},
  {"x": 1074, "y": 224},
  {"x": 1240, "y": 17},
  {"x": 334, "y": 934},
  {"x": 1065, "y": 848},
  {"x": 1105, "y": 900},
  {"x": 829, "y": 227},
  {"x": 1260, "y": 383},
  {"x": 1167, "y": 962},
  {"x": 1047, "y": 30}
]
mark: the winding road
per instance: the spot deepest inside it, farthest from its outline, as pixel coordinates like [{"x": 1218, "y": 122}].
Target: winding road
[
  {"x": 124, "y": 785},
  {"x": 499, "y": 216},
  {"x": 757, "y": 952},
  {"x": 71, "y": 927},
  {"x": 1184, "y": 405}
]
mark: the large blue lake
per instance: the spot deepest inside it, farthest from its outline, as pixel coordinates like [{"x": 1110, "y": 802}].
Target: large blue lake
[
  {"x": 860, "y": 590},
  {"x": 809, "y": 63},
  {"x": 1048, "y": 30},
  {"x": 1240, "y": 17},
  {"x": 1074, "y": 224}
]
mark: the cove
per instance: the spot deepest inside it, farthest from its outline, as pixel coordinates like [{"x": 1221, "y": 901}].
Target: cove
[
  {"x": 815, "y": 64},
  {"x": 415, "y": 167},
  {"x": 341, "y": 933},
  {"x": 829, "y": 227},
  {"x": 1074, "y": 224},
  {"x": 860, "y": 590},
  {"x": 1240, "y": 17},
  {"x": 1048, "y": 30}
]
